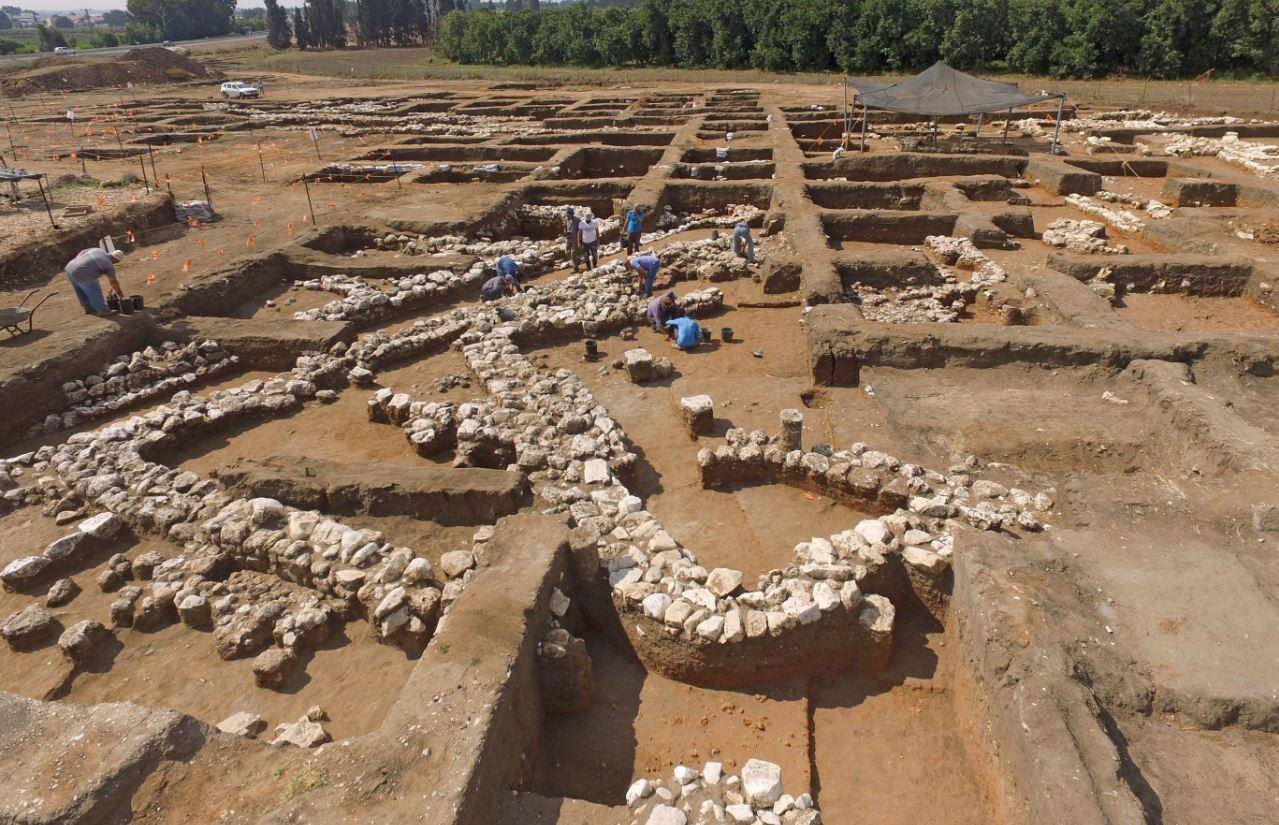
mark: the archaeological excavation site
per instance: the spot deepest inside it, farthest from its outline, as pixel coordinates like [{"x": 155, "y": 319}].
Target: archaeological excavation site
[{"x": 961, "y": 510}]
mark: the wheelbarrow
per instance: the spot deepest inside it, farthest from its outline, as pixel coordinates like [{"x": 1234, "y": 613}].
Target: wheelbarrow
[{"x": 12, "y": 318}]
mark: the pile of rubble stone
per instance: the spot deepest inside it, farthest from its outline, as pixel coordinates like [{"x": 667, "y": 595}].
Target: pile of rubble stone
[
  {"x": 1261, "y": 159},
  {"x": 712, "y": 797},
  {"x": 961, "y": 252},
  {"x": 1143, "y": 119},
  {"x": 1085, "y": 237},
  {"x": 1153, "y": 208},
  {"x": 941, "y": 303},
  {"x": 136, "y": 377},
  {"x": 1121, "y": 219}
]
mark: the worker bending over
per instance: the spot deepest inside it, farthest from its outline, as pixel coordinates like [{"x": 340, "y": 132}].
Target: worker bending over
[
  {"x": 645, "y": 267},
  {"x": 509, "y": 269},
  {"x": 743, "y": 243},
  {"x": 684, "y": 332},
  {"x": 84, "y": 272}
]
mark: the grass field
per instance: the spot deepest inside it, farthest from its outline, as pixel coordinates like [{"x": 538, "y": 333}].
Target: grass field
[{"x": 412, "y": 63}]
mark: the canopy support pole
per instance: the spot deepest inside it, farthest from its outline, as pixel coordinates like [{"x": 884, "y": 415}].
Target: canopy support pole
[
  {"x": 1007, "y": 123},
  {"x": 865, "y": 117},
  {"x": 980, "y": 115},
  {"x": 847, "y": 121},
  {"x": 1061, "y": 105},
  {"x": 934, "y": 133}
]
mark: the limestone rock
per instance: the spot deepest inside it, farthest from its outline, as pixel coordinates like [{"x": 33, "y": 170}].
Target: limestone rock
[
  {"x": 303, "y": 733},
  {"x": 456, "y": 562},
  {"x": 697, "y": 413},
  {"x": 20, "y": 571},
  {"x": 61, "y": 592},
  {"x": 762, "y": 782},
  {"x": 242, "y": 723},
  {"x": 724, "y": 581},
  {"x": 273, "y": 667},
  {"x": 28, "y": 628},
  {"x": 79, "y": 640}
]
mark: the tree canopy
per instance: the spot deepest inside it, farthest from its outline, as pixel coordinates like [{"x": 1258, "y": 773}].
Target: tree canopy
[{"x": 1063, "y": 38}]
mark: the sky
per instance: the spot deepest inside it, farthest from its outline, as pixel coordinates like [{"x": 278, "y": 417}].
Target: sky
[{"x": 103, "y": 5}]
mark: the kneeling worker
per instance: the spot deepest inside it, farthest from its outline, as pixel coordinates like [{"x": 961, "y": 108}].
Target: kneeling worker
[
  {"x": 684, "y": 332},
  {"x": 84, "y": 271},
  {"x": 499, "y": 286}
]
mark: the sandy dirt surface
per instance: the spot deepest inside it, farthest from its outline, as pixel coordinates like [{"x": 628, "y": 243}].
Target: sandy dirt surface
[{"x": 1142, "y": 617}]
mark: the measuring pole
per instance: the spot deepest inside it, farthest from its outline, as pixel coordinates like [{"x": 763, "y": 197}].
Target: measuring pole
[
  {"x": 142, "y": 164},
  {"x": 83, "y": 170},
  {"x": 154, "y": 174},
  {"x": 261, "y": 164},
  {"x": 208, "y": 196},
  {"x": 309, "y": 205},
  {"x": 865, "y": 117},
  {"x": 1008, "y": 122},
  {"x": 315, "y": 139},
  {"x": 13, "y": 150},
  {"x": 1061, "y": 104},
  {"x": 45, "y": 198}
]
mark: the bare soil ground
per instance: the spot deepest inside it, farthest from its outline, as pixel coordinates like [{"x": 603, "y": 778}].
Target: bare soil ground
[{"x": 1120, "y": 661}]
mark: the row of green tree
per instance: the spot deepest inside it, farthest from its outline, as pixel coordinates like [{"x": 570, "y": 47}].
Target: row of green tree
[
  {"x": 324, "y": 23},
  {"x": 1062, "y": 38}
]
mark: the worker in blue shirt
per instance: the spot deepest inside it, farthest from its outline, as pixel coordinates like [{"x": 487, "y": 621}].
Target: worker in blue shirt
[
  {"x": 645, "y": 267},
  {"x": 684, "y": 332},
  {"x": 634, "y": 228},
  {"x": 509, "y": 269}
]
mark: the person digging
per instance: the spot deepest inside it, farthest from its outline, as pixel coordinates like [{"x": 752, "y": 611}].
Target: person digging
[{"x": 85, "y": 272}]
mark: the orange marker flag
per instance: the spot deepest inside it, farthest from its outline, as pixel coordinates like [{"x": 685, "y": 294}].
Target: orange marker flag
[
  {"x": 221, "y": 252},
  {"x": 132, "y": 238},
  {"x": 250, "y": 241},
  {"x": 290, "y": 228},
  {"x": 186, "y": 265},
  {"x": 200, "y": 241},
  {"x": 150, "y": 278},
  {"x": 155, "y": 255}
]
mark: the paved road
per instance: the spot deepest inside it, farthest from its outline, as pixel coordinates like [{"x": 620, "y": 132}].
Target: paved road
[{"x": 233, "y": 39}]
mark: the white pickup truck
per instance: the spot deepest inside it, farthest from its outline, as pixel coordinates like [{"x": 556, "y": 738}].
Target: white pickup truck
[
  {"x": 64, "y": 51},
  {"x": 236, "y": 88}
]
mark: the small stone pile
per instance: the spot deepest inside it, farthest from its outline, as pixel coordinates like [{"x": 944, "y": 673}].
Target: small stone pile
[
  {"x": 133, "y": 378},
  {"x": 1153, "y": 208},
  {"x": 1141, "y": 119},
  {"x": 1261, "y": 159},
  {"x": 711, "y": 797},
  {"x": 1085, "y": 237},
  {"x": 364, "y": 302},
  {"x": 370, "y": 170},
  {"x": 1121, "y": 219},
  {"x": 961, "y": 252},
  {"x": 915, "y": 305}
]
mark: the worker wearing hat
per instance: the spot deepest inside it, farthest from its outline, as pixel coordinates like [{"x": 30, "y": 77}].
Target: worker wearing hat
[{"x": 85, "y": 271}]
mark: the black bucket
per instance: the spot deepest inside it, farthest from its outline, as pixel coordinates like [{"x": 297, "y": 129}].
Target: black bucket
[
  {"x": 136, "y": 300},
  {"x": 125, "y": 306},
  {"x": 592, "y": 350},
  {"x": 113, "y": 303},
  {"x": 727, "y": 334}
]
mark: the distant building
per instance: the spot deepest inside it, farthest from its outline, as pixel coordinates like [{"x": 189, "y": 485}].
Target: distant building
[{"x": 26, "y": 20}]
